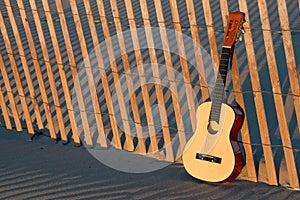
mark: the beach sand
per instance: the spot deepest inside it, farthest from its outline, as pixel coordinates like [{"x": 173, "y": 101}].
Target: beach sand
[{"x": 46, "y": 169}]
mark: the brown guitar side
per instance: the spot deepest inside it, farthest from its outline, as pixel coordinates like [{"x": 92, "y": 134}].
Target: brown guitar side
[{"x": 239, "y": 119}]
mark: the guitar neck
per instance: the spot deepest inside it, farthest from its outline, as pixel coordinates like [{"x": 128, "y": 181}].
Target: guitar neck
[{"x": 220, "y": 84}]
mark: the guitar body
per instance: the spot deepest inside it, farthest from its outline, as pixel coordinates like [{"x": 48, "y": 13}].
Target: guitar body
[{"x": 215, "y": 156}]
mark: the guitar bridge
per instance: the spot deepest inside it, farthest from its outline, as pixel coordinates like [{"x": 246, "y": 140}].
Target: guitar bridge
[{"x": 208, "y": 158}]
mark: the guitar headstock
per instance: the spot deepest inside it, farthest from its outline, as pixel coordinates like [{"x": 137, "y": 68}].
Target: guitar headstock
[{"x": 233, "y": 28}]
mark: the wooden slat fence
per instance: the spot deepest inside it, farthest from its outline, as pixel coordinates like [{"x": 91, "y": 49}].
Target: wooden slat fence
[{"x": 49, "y": 50}]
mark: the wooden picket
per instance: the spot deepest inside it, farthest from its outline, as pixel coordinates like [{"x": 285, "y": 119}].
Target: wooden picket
[
  {"x": 25, "y": 67},
  {"x": 37, "y": 68},
  {"x": 290, "y": 55},
  {"x": 184, "y": 66},
  {"x": 49, "y": 70},
  {"x": 63, "y": 78},
  {"x": 169, "y": 64},
  {"x": 157, "y": 81},
  {"x": 211, "y": 35},
  {"x": 283, "y": 126},
  {"x": 17, "y": 78},
  {"x": 141, "y": 148},
  {"x": 139, "y": 63},
  {"x": 9, "y": 92},
  {"x": 128, "y": 137},
  {"x": 261, "y": 116},
  {"x": 91, "y": 81},
  {"x": 198, "y": 52},
  {"x": 4, "y": 111}
]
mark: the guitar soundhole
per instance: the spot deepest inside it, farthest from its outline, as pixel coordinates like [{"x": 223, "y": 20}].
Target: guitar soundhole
[
  {"x": 213, "y": 127},
  {"x": 208, "y": 158}
]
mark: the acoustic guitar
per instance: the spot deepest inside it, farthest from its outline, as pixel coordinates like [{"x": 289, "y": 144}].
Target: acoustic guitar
[{"x": 213, "y": 153}]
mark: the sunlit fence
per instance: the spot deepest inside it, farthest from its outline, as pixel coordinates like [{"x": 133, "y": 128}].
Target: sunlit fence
[{"x": 132, "y": 73}]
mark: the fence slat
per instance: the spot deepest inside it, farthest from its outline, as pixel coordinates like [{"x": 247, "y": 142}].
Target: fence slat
[
  {"x": 258, "y": 100},
  {"x": 294, "y": 83},
  {"x": 4, "y": 108},
  {"x": 102, "y": 138},
  {"x": 49, "y": 70},
  {"x": 290, "y": 55},
  {"x": 169, "y": 65},
  {"x": 60, "y": 69},
  {"x": 74, "y": 71},
  {"x": 25, "y": 66},
  {"x": 211, "y": 35},
  {"x": 157, "y": 81},
  {"x": 185, "y": 69},
  {"x": 114, "y": 67},
  {"x": 141, "y": 143},
  {"x": 198, "y": 51},
  {"x": 106, "y": 85},
  {"x": 37, "y": 68},
  {"x": 252, "y": 175},
  {"x": 139, "y": 62},
  {"x": 16, "y": 76},
  {"x": 89, "y": 74},
  {"x": 10, "y": 92}
]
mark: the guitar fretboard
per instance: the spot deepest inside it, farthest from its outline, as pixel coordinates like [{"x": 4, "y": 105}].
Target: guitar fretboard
[{"x": 220, "y": 85}]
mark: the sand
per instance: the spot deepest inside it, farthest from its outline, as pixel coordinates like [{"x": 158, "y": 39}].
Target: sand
[{"x": 46, "y": 169}]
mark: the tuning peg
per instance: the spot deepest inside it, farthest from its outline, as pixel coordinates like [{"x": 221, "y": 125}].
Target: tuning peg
[
  {"x": 243, "y": 30},
  {"x": 240, "y": 38}
]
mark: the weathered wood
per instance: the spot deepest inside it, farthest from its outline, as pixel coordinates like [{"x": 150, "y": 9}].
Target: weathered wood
[
  {"x": 25, "y": 66},
  {"x": 141, "y": 148},
  {"x": 74, "y": 71},
  {"x": 17, "y": 78},
  {"x": 185, "y": 69},
  {"x": 3, "y": 107},
  {"x": 102, "y": 137},
  {"x": 52, "y": 83},
  {"x": 290, "y": 55},
  {"x": 170, "y": 71},
  {"x": 9, "y": 92},
  {"x": 294, "y": 82},
  {"x": 258, "y": 100},
  {"x": 89, "y": 74},
  {"x": 37, "y": 68},
  {"x": 62, "y": 73},
  {"x": 197, "y": 50},
  {"x": 157, "y": 81},
  {"x": 114, "y": 67},
  {"x": 211, "y": 35},
  {"x": 252, "y": 175},
  {"x": 139, "y": 62}
]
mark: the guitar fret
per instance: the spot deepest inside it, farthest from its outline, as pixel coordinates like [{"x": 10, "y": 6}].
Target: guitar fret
[
  {"x": 214, "y": 115},
  {"x": 216, "y": 104},
  {"x": 224, "y": 65},
  {"x": 218, "y": 94}
]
